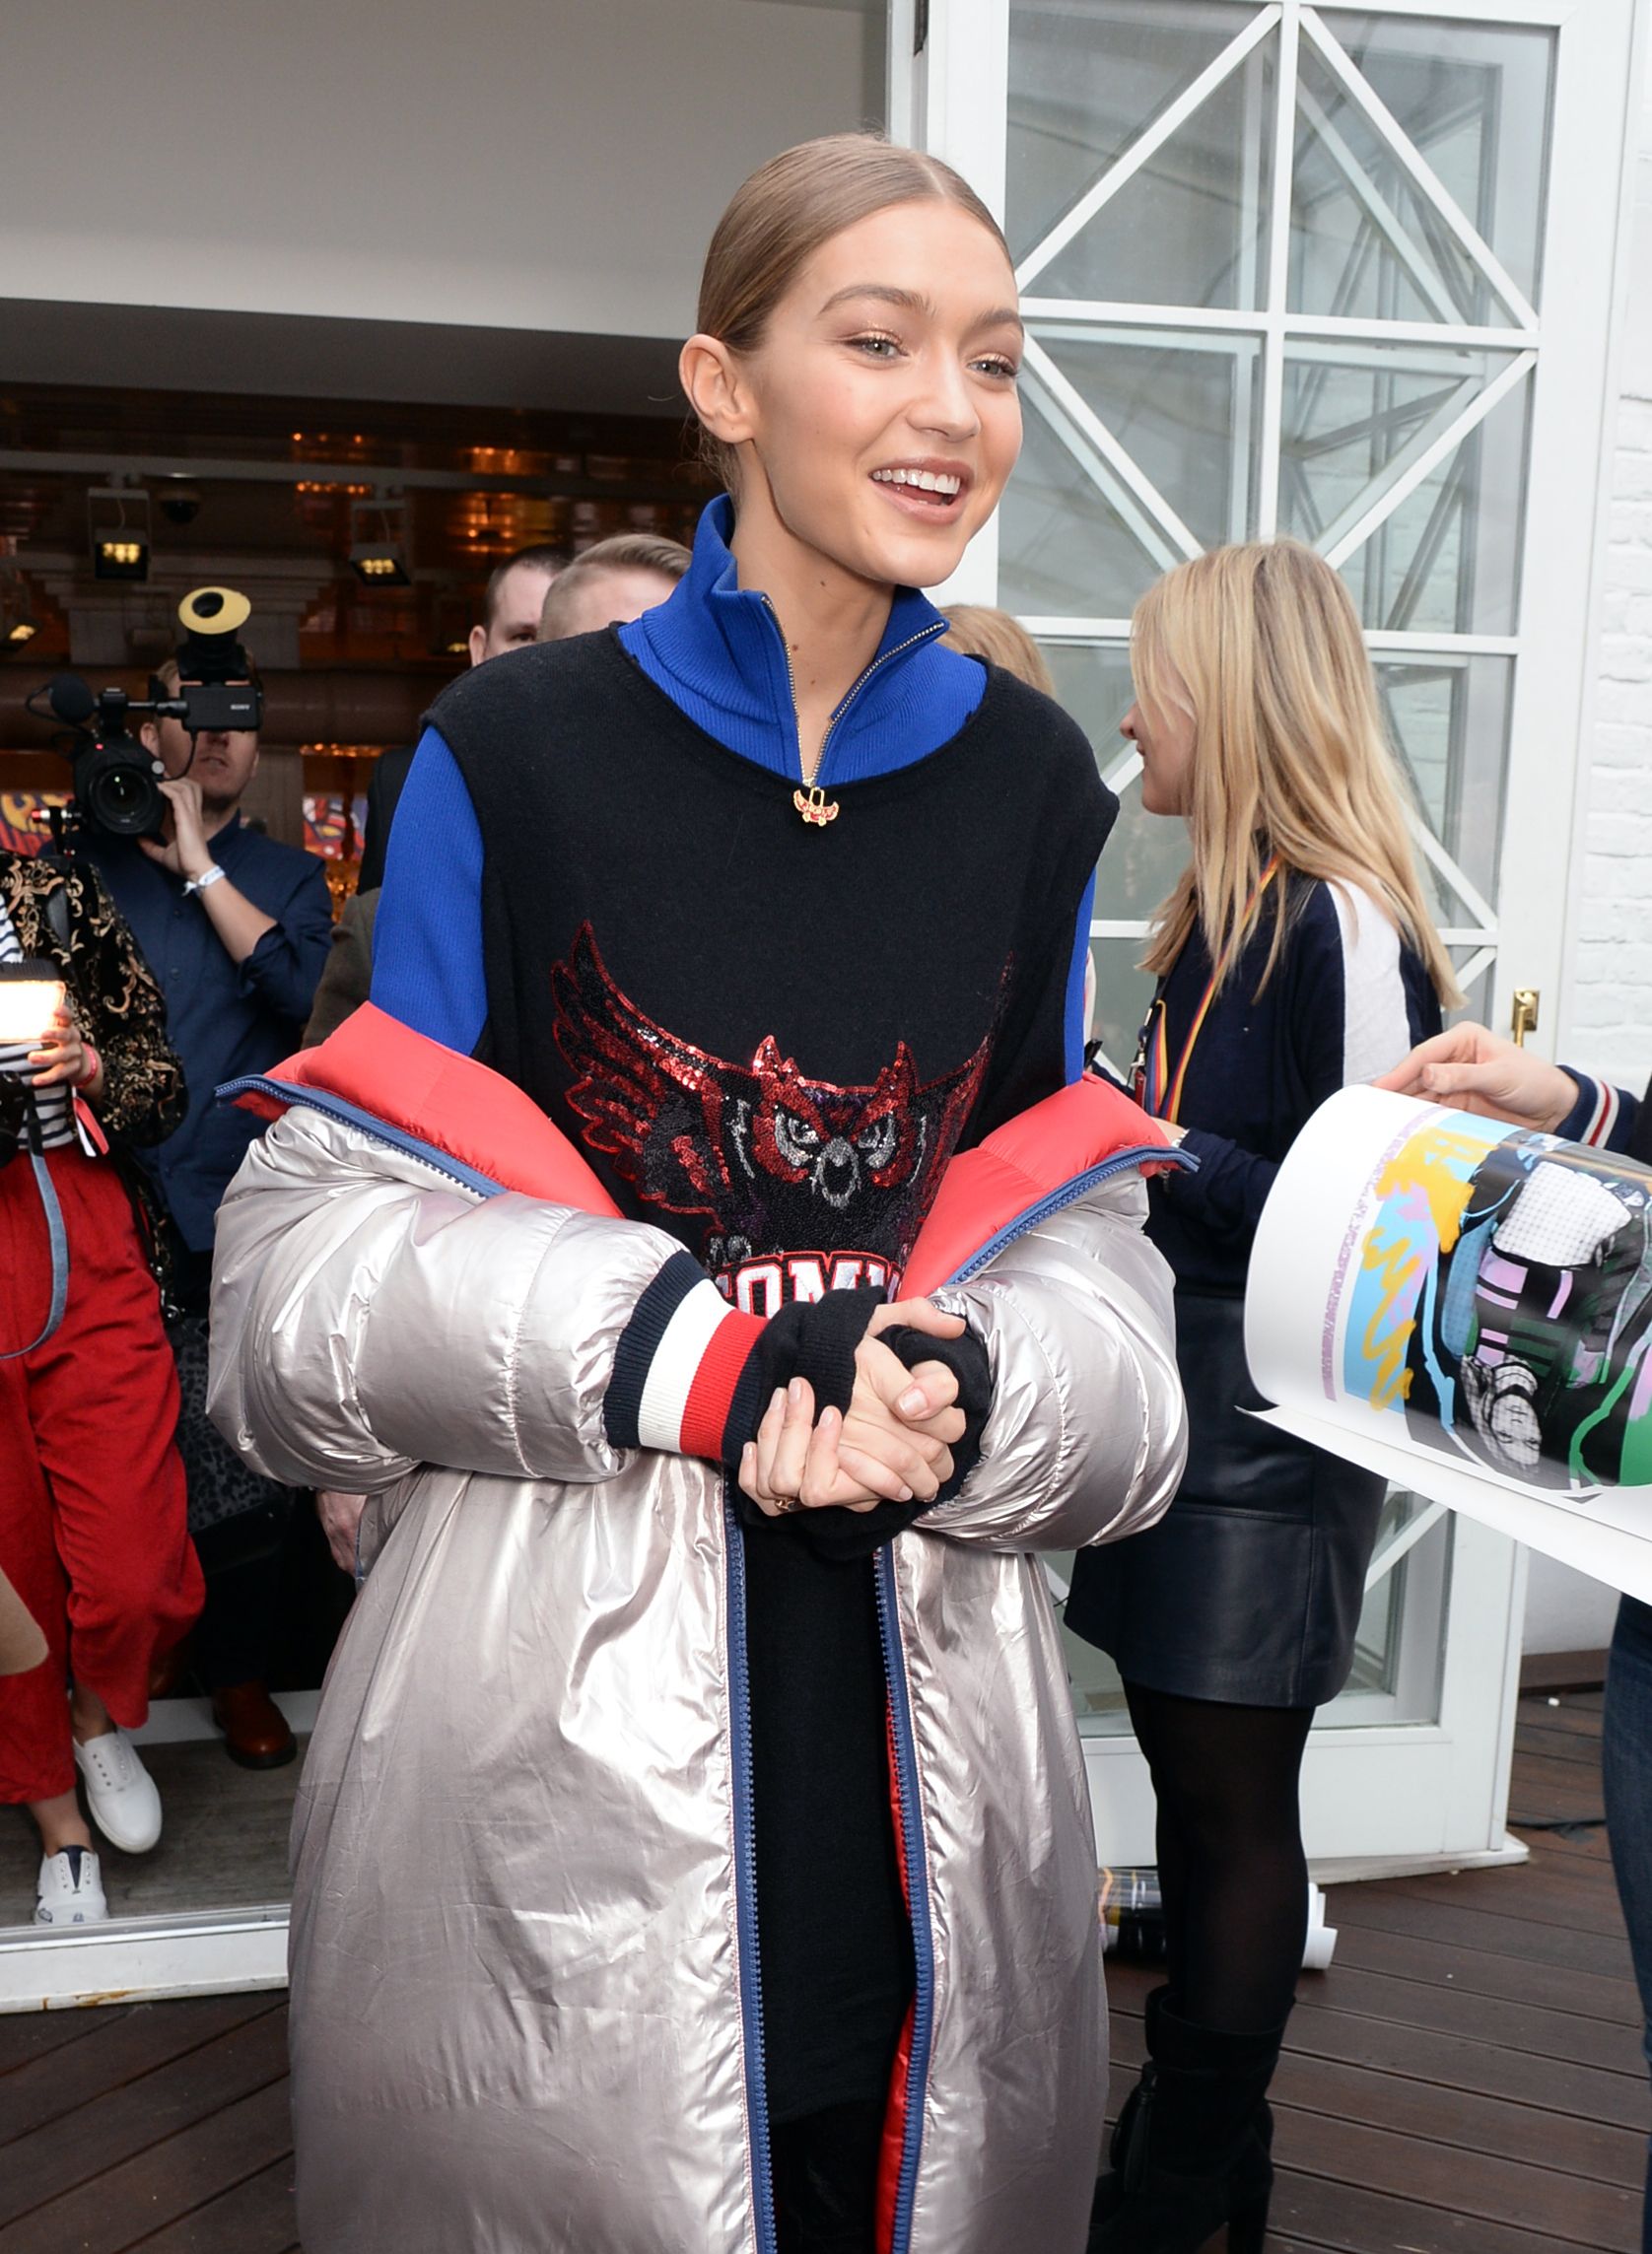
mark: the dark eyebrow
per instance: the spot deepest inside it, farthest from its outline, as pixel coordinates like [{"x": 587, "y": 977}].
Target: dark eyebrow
[{"x": 913, "y": 302}]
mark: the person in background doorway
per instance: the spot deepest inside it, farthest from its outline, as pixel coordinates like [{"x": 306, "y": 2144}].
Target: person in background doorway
[
  {"x": 611, "y": 584},
  {"x": 1295, "y": 955},
  {"x": 608, "y": 584},
  {"x": 978, "y": 630},
  {"x": 511, "y": 606},
  {"x": 236, "y": 927},
  {"x": 1475, "y": 1070},
  {"x": 94, "y": 1532}
]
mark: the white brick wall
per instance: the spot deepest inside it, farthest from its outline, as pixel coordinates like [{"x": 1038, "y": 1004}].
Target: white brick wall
[{"x": 1606, "y": 1027}]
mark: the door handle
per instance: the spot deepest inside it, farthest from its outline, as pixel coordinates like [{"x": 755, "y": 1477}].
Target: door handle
[{"x": 1523, "y": 1018}]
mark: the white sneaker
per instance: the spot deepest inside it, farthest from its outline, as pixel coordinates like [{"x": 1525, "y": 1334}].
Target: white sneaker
[
  {"x": 120, "y": 1792},
  {"x": 70, "y": 1889}
]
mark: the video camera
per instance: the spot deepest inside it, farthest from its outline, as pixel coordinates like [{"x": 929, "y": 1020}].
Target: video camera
[{"x": 117, "y": 782}]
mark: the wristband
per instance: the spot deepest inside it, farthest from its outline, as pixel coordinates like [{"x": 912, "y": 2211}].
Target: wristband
[
  {"x": 206, "y": 877},
  {"x": 92, "y": 1066}
]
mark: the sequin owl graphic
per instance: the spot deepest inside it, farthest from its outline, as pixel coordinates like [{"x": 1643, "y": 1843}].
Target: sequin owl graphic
[{"x": 774, "y": 1159}]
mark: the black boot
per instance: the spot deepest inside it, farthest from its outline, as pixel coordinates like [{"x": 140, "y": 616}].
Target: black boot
[
  {"x": 1192, "y": 2149},
  {"x": 1110, "y": 2188}
]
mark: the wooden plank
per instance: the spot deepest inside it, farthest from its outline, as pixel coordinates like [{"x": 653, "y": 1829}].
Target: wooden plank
[
  {"x": 1550, "y": 1671},
  {"x": 1469, "y": 1924},
  {"x": 1577, "y": 1901},
  {"x": 1567, "y": 2210},
  {"x": 1511, "y": 2026},
  {"x": 29, "y": 2035},
  {"x": 1424, "y": 2113},
  {"x": 256, "y": 2216},
  {"x": 1484, "y": 1972},
  {"x": 53, "y": 2158},
  {"x": 1551, "y": 1785},
  {"x": 1457, "y": 2119},
  {"x": 140, "y": 2040},
  {"x": 1447, "y": 2063},
  {"x": 1563, "y": 1722},
  {"x": 1351, "y": 2221},
  {"x": 120, "y": 2206}
]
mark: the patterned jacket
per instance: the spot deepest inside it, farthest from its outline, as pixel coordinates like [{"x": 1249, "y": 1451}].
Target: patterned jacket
[{"x": 119, "y": 1002}]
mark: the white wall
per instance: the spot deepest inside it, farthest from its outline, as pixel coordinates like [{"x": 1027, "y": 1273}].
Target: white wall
[
  {"x": 516, "y": 164},
  {"x": 1605, "y": 1023}
]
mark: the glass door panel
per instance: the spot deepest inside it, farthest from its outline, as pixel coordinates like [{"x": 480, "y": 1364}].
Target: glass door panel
[{"x": 1283, "y": 269}]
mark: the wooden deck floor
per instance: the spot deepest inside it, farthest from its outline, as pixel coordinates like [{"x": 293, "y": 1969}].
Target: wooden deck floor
[{"x": 1466, "y": 2079}]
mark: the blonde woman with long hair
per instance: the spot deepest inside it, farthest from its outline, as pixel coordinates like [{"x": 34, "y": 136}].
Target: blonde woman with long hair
[{"x": 1294, "y": 955}]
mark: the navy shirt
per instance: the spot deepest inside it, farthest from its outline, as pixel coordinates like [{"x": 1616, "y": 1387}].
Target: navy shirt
[
  {"x": 1346, "y": 1000},
  {"x": 223, "y": 1017}
]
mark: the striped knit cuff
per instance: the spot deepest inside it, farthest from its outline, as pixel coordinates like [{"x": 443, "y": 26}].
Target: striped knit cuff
[
  {"x": 1594, "y": 1115},
  {"x": 679, "y": 1367}
]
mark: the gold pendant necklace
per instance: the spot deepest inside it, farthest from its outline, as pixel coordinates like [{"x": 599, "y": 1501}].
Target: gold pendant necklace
[{"x": 814, "y": 806}]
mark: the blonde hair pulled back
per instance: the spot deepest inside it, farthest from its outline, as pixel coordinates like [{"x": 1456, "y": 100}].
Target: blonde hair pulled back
[
  {"x": 1262, "y": 644},
  {"x": 782, "y": 215}
]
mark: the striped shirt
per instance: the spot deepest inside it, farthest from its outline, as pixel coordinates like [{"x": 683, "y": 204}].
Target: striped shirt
[{"x": 55, "y": 1105}]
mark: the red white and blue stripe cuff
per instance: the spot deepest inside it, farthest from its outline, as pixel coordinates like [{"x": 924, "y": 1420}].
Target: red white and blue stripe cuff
[
  {"x": 678, "y": 1368},
  {"x": 1594, "y": 1117}
]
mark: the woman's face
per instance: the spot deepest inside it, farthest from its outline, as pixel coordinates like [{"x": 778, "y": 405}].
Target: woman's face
[
  {"x": 879, "y": 411},
  {"x": 1164, "y": 738}
]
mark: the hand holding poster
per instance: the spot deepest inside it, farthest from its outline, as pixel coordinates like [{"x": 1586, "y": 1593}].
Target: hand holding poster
[{"x": 1466, "y": 1307}]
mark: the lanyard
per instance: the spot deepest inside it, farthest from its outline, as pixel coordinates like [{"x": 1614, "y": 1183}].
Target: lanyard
[{"x": 1153, "y": 1084}]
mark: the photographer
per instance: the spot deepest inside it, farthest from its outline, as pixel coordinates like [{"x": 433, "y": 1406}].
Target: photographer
[
  {"x": 237, "y": 927},
  {"x": 93, "y": 1531}
]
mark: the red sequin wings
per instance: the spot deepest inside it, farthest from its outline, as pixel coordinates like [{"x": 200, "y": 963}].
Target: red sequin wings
[{"x": 777, "y": 1163}]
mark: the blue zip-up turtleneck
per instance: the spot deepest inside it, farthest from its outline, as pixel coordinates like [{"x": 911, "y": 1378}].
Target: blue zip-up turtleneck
[{"x": 716, "y": 651}]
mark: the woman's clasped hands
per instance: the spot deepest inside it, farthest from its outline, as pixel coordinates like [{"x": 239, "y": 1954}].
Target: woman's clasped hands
[{"x": 892, "y": 1444}]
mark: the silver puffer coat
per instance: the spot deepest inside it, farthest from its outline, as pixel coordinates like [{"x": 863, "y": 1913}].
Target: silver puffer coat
[{"x": 525, "y": 2003}]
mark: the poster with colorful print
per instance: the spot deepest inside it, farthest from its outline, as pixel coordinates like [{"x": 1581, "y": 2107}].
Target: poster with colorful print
[{"x": 1467, "y": 1306}]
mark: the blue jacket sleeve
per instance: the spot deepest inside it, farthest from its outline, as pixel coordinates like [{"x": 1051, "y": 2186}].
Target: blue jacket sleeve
[
  {"x": 1604, "y": 1117},
  {"x": 427, "y": 942},
  {"x": 284, "y": 967},
  {"x": 1356, "y": 1002},
  {"x": 1075, "y": 985}
]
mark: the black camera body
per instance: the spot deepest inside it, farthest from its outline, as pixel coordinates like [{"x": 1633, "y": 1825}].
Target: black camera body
[{"x": 117, "y": 782}]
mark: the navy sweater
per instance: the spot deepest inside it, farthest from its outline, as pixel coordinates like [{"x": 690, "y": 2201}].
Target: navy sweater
[{"x": 1345, "y": 1001}]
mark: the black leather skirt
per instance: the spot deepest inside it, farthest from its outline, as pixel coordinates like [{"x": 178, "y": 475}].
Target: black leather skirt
[{"x": 1249, "y": 1589}]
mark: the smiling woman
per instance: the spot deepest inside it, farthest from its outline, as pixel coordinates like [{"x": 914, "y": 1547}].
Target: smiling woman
[{"x": 785, "y": 910}]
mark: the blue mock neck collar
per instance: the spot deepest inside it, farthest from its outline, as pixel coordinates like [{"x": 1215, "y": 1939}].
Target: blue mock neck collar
[{"x": 717, "y": 650}]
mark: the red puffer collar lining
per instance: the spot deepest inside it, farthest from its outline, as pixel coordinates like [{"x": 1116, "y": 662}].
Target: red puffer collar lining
[{"x": 454, "y": 1105}]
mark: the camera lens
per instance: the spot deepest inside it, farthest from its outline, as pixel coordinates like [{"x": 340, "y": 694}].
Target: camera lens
[{"x": 118, "y": 794}]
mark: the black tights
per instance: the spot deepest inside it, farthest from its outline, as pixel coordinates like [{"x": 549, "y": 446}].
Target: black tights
[{"x": 1231, "y": 1866}]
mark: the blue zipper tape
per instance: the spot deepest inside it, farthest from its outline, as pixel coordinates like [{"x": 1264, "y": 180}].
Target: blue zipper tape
[
  {"x": 745, "y": 1886},
  {"x": 335, "y": 1108},
  {"x": 917, "y": 1861}
]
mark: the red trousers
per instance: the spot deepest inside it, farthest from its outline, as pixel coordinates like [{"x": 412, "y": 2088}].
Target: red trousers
[{"x": 94, "y": 1531}]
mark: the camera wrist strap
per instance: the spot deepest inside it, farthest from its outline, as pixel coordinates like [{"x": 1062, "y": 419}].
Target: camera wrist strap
[{"x": 57, "y": 1235}]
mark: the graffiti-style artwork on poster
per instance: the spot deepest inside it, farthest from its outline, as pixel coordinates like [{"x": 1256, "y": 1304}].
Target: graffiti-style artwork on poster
[
  {"x": 1503, "y": 1304},
  {"x": 1466, "y": 1307}
]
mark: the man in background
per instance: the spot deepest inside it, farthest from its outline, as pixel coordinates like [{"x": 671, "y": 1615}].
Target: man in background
[
  {"x": 613, "y": 581},
  {"x": 236, "y": 927},
  {"x": 511, "y": 607}
]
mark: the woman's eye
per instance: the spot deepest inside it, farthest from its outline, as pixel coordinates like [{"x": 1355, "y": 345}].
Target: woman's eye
[
  {"x": 876, "y": 347},
  {"x": 994, "y": 366}
]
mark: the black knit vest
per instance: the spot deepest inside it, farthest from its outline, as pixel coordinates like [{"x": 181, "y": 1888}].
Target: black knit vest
[{"x": 766, "y": 1036}]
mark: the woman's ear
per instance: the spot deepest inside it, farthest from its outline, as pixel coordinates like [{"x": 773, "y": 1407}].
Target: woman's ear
[{"x": 711, "y": 375}]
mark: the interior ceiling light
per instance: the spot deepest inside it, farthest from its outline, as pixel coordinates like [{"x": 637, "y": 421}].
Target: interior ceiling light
[
  {"x": 377, "y": 564},
  {"x": 117, "y": 530},
  {"x": 379, "y": 541},
  {"x": 22, "y": 628}
]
